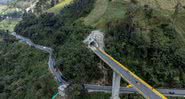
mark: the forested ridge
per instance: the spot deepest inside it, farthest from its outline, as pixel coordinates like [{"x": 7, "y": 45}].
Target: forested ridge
[{"x": 143, "y": 39}]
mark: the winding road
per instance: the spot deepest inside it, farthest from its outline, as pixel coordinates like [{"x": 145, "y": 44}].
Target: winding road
[
  {"x": 139, "y": 85},
  {"x": 51, "y": 63}
]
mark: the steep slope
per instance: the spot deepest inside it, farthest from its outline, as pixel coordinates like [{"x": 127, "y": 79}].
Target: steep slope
[
  {"x": 163, "y": 4},
  {"x": 146, "y": 43},
  {"x": 98, "y": 11},
  {"x": 105, "y": 11},
  {"x": 24, "y": 72},
  {"x": 180, "y": 26},
  {"x": 8, "y": 24},
  {"x": 2, "y": 7},
  {"x": 57, "y": 8}
]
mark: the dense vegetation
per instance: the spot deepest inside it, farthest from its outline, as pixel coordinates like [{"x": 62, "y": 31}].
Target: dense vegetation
[
  {"x": 57, "y": 31},
  {"x": 143, "y": 39},
  {"x": 153, "y": 51},
  {"x": 20, "y": 77}
]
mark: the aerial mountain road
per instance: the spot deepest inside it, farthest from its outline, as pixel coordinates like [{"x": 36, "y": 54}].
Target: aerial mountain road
[
  {"x": 51, "y": 63},
  {"x": 141, "y": 86},
  {"x": 95, "y": 42},
  {"x": 124, "y": 90}
]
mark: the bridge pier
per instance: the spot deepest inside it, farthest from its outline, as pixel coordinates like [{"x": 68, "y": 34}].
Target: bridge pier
[
  {"x": 115, "y": 86},
  {"x": 62, "y": 91}
]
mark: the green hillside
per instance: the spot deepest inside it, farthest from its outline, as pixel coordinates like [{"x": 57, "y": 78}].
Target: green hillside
[
  {"x": 180, "y": 25},
  {"x": 160, "y": 4},
  {"x": 2, "y": 7},
  {"x": 105, "y": 11},
  {"x": 100, "y": 8},
  {"x": 8, "y": 25},
  {"x": 146, "y": 38},
  {"x": 56, "y": 9}
]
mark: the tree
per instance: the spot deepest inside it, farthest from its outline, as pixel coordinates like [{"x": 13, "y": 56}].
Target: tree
[
  {"x": 134, "y": 1},
  {"x": 42, "y": 6},
  {"x": 148, "y": 11}
]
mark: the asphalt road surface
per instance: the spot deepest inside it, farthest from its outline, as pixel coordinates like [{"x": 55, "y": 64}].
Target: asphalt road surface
[
  {"x": 141, "y": 86},
  {"x": 51, "y": 63},
  {"x": 138, "y": 84},
  {"x": 124, "y": 90}
]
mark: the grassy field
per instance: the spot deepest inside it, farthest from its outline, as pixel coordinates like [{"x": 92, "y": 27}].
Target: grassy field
[
  {"x": 56, "y": 9},
  {"x": 8, "y": 25},
  {"x": 114, "y": 11},
  {"x": 105, "y": 11},
  {"x": 2, "y": 8},
  {"x": 180, "y": 26},
  {"x": 5, "y": 10},
  {"x": 163, "y": 4},
  {"x": 98, "y": 11}
]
